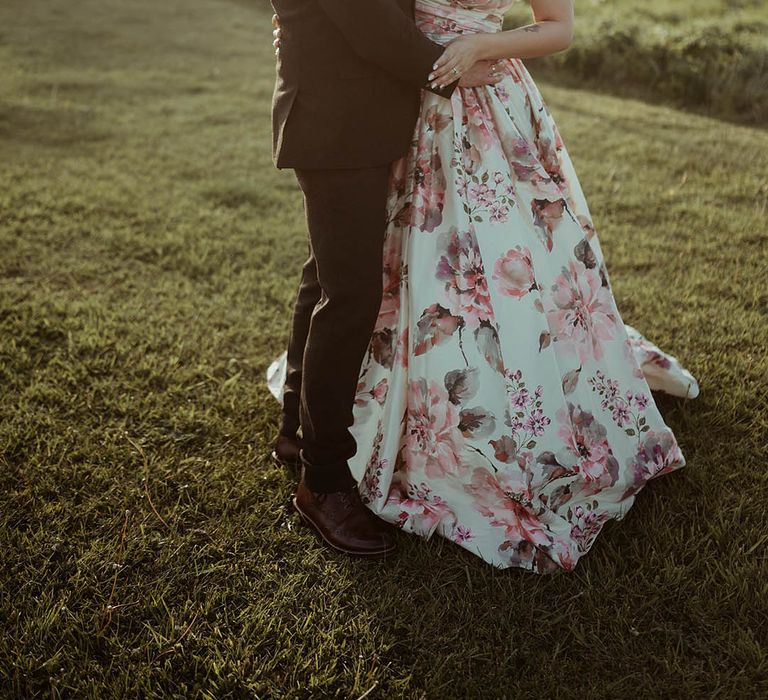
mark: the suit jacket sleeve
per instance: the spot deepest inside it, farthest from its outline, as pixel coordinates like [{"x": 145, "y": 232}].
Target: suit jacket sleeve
[{"x": 380, "y": 32}]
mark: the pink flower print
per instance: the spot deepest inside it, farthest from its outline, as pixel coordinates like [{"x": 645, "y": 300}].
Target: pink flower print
[
  {"x": 462, "y": 185},
  {"x": 631, "y": 359},
  {"x": 546, "y": 216},
  {"x": 383, "y": 346},
  {"x": 401, "y": 349},
  {"x": 539, "y": 391},
  {"x": 433, "y": 439},
  {"x": 398, "y": 174},
  {"x": 558, "y": 139},
  {"x": 473, "y": 284},
  {"x": 520, "y": 398},
  {"x": 435, "y": 326},
  {"x": 536, "y": 422},
  {"x": 504, "y": 449},
  {"x": 461, "y": 268},
  {"x": 429, "y": 192},
  {"x": 479, "y": 131},
  {"x": 390, "y": 302},
  {"x": 587, "y": 226},
  {"x": 550, "y": 160},
  {"x": 493, "y": 496},
  {"x": 513, "y": 272},
  {"x": 420, "y": 511},
  {"x": 658, "y": 453},
  {"x": 379, "y": 392},
  {"x": 621, "y": 414},
  {"x": 525, "y": 460},
  {"x": 435, "y": 120},
  {"x": 421, "y": 492},
  {"x": 582, "y": 314},
  {"x": 462, "y": 534},
  {"x": 499, "y": 213},
  {"x": 438, "y": 501},
  {"x": 480, "y": 194},
  {"x": 529, "y": 173},
  {"x": 586, "y": 443},
  {"x": 587, "y": 527},
  {"x": 658, "y": 359},
  {"x": 641, "y": 401},
  {"x": 370, "y": 487},
  {"x": 520, "y": 148}
]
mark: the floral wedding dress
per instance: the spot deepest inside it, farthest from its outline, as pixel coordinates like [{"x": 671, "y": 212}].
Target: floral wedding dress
[{"x": 503, "y": 403}]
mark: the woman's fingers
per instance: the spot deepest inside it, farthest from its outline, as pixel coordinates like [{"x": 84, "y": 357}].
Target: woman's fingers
[
  {"x": 276, "y": 33},
  {"x": 444, "y": 67},
  {"x": 448, "y": 72},
  {"x": 447, "y": 56}
]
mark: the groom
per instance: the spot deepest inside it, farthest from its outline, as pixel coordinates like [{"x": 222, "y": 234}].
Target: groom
[{"x": 349, "y": 77}]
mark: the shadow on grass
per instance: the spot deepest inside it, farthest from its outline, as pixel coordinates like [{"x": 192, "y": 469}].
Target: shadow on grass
[{"x": 49, "y": 126}]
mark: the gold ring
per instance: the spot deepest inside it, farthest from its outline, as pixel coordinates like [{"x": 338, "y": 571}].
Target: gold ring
[{"x": 455, "y": 71}]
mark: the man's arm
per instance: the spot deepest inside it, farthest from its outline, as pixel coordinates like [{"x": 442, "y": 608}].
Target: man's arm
[
  {"x": 380, "y": 32},
  {"x": 482, "y": 73}
]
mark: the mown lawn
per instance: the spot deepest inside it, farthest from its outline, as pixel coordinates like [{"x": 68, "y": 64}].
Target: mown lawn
[
  {"x": 149, "y": 254},
  {"x": 708, "y": 55}
]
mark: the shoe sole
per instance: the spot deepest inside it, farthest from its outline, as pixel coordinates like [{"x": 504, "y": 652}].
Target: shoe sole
[{"x": 312, "y": 524}]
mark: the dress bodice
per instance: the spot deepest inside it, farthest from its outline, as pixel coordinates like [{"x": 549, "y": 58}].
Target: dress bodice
[{"x": 443, "y": 20}]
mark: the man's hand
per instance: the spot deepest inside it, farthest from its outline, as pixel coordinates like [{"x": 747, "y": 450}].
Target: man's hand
[
  {"x": 482, "y": 73},
  {"x": 276, "y": 33}
]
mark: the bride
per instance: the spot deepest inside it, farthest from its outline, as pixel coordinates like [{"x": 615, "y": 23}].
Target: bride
[{"x": 502, "y": 403}]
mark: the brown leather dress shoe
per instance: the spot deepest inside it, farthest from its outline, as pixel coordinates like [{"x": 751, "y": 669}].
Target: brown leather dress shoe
[
  {"x": 286, "y": 452},
  {"x": 343, "y": 521}
]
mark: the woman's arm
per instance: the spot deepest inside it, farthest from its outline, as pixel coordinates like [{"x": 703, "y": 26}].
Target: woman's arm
[{"x": 552, "y": 31}]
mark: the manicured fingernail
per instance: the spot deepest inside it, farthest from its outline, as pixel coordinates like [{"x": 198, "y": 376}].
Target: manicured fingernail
[
  {"x": 431, "y": 76},
  {"x": 434, "y": 67},
  {"x": 434, "y": 85}
]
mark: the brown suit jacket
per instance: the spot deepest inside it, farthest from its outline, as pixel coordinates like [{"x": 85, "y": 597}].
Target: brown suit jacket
[{"x": 349, "y": 77}]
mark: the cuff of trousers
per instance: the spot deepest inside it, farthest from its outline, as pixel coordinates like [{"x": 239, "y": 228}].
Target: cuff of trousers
[
  {"x": 327, "y": 478},
  {"x": 289, "y": 423}
]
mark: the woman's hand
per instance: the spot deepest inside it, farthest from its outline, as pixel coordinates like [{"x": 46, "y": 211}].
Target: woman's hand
[
  {"x": 276, "y": 33},
  {"x": 459, "y": 56}
]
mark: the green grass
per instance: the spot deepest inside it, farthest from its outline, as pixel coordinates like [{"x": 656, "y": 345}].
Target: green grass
[
  {"x": 150, "y": 254},
  {"x": 708, "y": 55}
]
